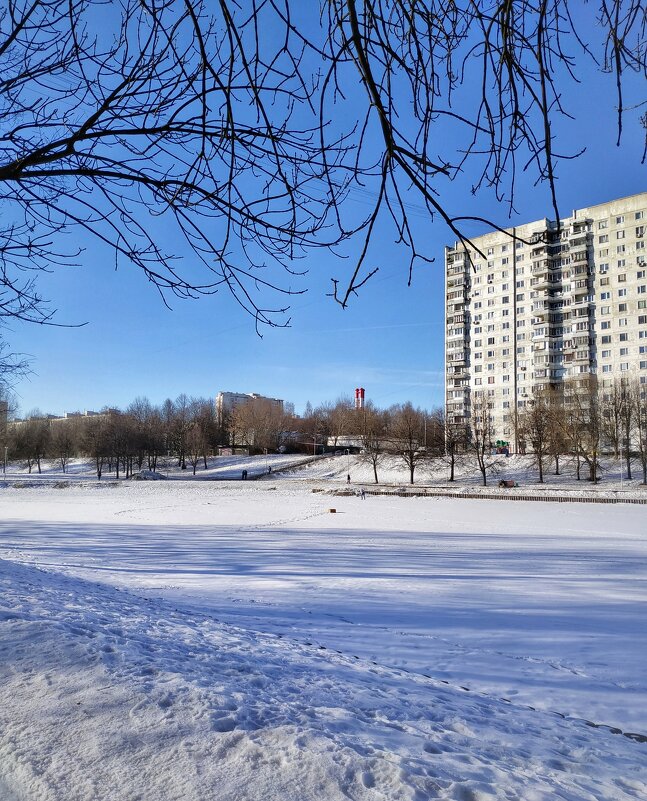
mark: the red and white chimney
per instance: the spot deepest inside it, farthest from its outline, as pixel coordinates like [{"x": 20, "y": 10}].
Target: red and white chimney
[{"x": 359, "y": 398}]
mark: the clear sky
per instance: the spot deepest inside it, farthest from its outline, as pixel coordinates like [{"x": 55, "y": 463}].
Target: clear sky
[{"x": 389, "y": 341}]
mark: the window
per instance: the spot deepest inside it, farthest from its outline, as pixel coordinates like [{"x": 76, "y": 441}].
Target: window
[
  {"x": 519, "y": 284},
  {"x": 642, "y": 320},
  {"x": 504, "y": 260},
  {"x": 622, "y": 307},
  {"x": 606, "y": 368},
  {"x": 504, "y": 248},
  {"x": 622, "y": 322},
  {"x": 622, "y": 277},
  {"x": 604, "y": 268},
  {"x": 620, "y": 219},
  {"x": 624, "y": 366},
  {"x": 490, "y": 340},
  {"x": 490, "y": 379},
  {"x": 490, "y": 354},
  {"x": 520, "y": 296},
  {"x": 602, "y": 239},
  {"x": 606, "y": 354},
  {"x": 605, "y": 310},
  {"x": 490, "y": 251},
  {"x": 624, "y": 337},
  {"x": 643, "y": 365},
  {"x": 605, "y": 295},
  {"x": 620, "y": 249},
  {"x": 639, "y": 215},
  {"x": 506, "y": 404},
  {"x": 640, "y": 231},
  {"x": 605, "y": 324},
  {"x": 604, "y": 282},
  {"x": 477, "y": 381},
  {"x": 620, "y": 234},
  {"x": 603, "y": 224},
  {"x": 640, "y": 274},
  {"x": 642, "y": 289},
  {"x": 606, "y": 339},
  {"x": 642, "y": 304},
  {"x": 622, "y": 293}
]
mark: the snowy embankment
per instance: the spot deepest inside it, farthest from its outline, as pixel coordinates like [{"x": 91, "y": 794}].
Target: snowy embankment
[{"x": 237, "y": 641}]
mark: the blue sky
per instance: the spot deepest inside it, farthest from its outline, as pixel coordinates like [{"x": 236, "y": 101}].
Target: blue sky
[{"x": 390, "y": 339}]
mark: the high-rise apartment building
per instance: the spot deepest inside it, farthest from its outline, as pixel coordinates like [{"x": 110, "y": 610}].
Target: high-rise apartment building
[{"x": 532, "y": 306}]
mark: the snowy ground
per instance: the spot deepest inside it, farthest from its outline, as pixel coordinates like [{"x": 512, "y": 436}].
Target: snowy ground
[{"x": 230, "y": 640}]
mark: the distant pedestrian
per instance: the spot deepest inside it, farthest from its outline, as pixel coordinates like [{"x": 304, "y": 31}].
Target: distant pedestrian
[
  {"x": 244, "y": 475},
  {"x": 362, "y": 494},
  {"x": 348, "y": 479}
]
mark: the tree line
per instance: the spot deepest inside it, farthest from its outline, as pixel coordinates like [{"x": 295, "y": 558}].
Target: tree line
[{"x": 581, "y": 420}]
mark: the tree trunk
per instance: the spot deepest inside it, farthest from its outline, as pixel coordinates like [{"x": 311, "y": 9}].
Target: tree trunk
[{"x": 375, "y": 472}]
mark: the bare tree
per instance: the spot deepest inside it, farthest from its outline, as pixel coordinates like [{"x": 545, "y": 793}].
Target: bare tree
[
  {"x": 95, "y": 441},
  {"x": 450, "y": 440},
  {"x": 239, "y": 129},
  {"x": 33, "y": 438},
  {"x": 481, "y": 436},
  {"x": 585, "y": 423},
  {"x": 639, "y": 394},
  {"x": 536, "y": 424},
  {"x": 374, "y": 433},
  {"x": 64, "y": 441},
  {"x": 406, "y": 430}
]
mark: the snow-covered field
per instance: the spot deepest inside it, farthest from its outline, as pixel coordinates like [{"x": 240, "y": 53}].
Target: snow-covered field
[{"x": 237, "y": 640}]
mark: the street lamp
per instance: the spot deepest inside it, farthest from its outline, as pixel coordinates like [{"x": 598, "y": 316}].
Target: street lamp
[
  {"x": 4, "y": 464},
  {"x": 347, "y": 461}
]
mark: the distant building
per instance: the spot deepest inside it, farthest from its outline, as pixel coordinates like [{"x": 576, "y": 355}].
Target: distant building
[{"x": 227, "y": 402}]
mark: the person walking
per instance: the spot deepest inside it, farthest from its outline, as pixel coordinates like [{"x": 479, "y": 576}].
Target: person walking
[
  {"x": 348, "y": 479},
  {"x": 362, "y": 494}
]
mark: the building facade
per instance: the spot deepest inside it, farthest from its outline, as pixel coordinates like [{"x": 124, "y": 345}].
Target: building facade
[
  {"x": 227, "y": 402},
  {"x": 536, "y": 305}
]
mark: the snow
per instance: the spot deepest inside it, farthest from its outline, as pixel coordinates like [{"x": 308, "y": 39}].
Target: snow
[{"x": 236, "y": 640}]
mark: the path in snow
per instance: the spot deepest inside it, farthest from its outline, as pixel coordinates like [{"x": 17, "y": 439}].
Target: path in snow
[{"x": 106, "y": 695}]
